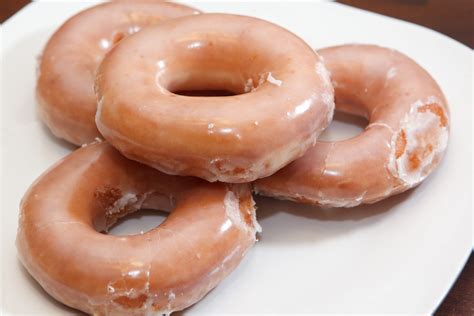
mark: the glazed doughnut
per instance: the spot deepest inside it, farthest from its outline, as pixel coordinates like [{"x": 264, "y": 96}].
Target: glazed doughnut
[
  {"x": 209, "y": 230},
  {"x": 284, "y": 97},
  {"x": 65, "y": 87},
  {"x": 404, "y": 141}
]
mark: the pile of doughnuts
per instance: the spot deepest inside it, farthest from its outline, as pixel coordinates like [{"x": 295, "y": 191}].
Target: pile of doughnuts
[{"x": 191, "y": 113}]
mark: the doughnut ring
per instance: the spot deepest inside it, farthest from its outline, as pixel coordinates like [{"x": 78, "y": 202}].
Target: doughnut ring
[
  {"x": 284, "y": 97},
  {"x": 403, "y": 143},
  {"x": 209, "y": 230},
  {"x": 65, "y": 86}
]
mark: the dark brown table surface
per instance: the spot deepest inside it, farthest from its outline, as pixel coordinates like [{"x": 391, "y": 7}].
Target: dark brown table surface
[{"x": 451, "y": 17}]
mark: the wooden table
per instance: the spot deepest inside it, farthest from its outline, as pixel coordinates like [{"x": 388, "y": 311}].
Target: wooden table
[{"x": 453, "y": 18}]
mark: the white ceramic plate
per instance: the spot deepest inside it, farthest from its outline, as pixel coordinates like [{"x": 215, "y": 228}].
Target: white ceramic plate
[{"x": 401, "y": 255}]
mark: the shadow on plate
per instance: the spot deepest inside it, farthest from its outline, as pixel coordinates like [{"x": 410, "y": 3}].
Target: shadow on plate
[
  {"x": 351, "y": 119},
  {"x": 142, "y": 220},
  {"x": 287, "y": 222},
  {"x": 272, "y": 206}
]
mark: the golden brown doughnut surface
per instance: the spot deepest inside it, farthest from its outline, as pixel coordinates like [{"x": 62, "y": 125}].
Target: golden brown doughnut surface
[
  {"x": 209, "y": 230},
  {"x": 403, "y": 143},
  {"x": 284, "y": 97},
  {"x": 65, "y": 87}
]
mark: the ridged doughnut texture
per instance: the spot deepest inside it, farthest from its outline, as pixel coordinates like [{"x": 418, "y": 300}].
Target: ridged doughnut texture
[
  {"x": 284, "y": 97},
  {"x": 67, "y": 67},
  {"x": 209, "y": 230},
  {"x": 403, "y": 143}
]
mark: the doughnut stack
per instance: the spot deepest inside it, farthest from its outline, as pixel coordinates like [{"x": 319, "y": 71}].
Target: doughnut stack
[{"x": 191, "y": 113}]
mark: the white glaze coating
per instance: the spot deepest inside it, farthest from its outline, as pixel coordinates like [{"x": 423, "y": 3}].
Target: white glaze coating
[{"x": 416, "y": 126}]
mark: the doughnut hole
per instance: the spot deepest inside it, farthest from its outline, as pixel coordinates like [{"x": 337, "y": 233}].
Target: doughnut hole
[
  {"x": 203, "y": 67},
  {"x": 343, "y": 126},
  {"x": 138, "y": 222},
  {"x": 352, "y": 113},
  {"x": 122, "y": 214}
]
